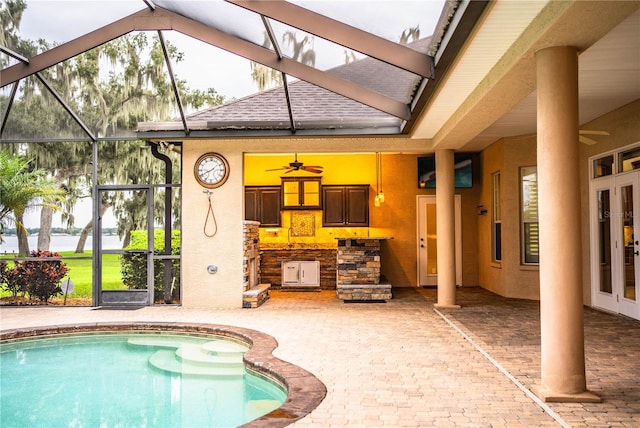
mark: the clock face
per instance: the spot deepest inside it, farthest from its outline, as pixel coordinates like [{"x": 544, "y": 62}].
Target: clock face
[{"x": 211, "y": 170}]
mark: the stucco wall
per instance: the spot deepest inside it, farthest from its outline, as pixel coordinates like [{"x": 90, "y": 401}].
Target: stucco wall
[
  {"x": 510, "y": 277},
  {"x": 490, "y": 272},
  {"x": 224, "y": 288}
]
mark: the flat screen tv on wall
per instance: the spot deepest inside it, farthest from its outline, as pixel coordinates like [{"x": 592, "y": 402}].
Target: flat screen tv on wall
[{"x": 463, "y": 164}]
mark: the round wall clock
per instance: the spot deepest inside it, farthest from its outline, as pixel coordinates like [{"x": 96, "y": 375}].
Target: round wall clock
[{"x": 211, "y": 170}]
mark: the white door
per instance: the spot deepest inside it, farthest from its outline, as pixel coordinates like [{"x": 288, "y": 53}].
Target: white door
[
  {"x": 615, "y": 236},
  {"x": 427, "y": 241}
]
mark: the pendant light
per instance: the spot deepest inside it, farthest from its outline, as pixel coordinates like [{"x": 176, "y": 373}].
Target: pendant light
[
  {"x": 379, "y": 198},
  {"x": 380, "y": 194}
]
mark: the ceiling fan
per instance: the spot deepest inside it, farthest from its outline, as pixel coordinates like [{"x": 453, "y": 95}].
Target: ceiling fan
[
  {"x": 299, "y": 166},
  {"x": 587, "y": 140}
]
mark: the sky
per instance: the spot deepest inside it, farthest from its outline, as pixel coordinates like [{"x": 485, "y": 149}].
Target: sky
[{"x": 206, "y": 66}]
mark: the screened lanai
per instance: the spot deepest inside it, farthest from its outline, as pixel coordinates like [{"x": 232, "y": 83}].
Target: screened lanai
[{"x": 543, "y": 96}]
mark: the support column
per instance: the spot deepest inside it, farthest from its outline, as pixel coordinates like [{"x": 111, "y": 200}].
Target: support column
[
  {"x": 446, "y": 229},
  {"x": 561, "y": 306}
]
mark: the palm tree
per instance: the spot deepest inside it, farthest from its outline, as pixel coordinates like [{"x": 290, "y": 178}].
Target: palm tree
[{"x": 20, "y": 189}]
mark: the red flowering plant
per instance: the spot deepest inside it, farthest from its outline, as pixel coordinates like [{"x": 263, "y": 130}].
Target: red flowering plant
[{"x": 40, "y": 279}]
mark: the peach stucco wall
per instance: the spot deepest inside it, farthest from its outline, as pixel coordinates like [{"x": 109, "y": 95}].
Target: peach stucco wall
[
  {"x": 509, "y": 277},
  {"x": 224, "y": 288}
]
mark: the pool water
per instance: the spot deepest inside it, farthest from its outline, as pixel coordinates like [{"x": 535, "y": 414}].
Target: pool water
[{"x": 131, "y": 380}]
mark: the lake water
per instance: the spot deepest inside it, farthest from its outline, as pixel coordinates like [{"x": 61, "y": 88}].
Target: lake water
[{"x": 59, "y": 243}]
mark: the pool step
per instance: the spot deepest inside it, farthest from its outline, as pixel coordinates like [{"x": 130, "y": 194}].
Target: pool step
[
  {"x": 166, "y": 360},
  {"x": 219, "y": 358},
  {"x": 198, "y": 355},
  {"x": 222, "y": 347}
]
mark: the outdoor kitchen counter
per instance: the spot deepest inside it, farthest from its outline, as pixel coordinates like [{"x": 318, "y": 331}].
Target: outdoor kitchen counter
[
  {"x": 273, "y": 255},
  {"x": 358, "y": 268}
]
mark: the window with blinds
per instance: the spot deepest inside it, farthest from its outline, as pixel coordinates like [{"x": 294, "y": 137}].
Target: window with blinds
[{"x": 529, "y": 214}]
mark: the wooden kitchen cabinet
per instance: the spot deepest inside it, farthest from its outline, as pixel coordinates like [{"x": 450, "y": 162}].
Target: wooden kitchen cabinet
[
  {"x": 301, "y": 193},
  {"x": 345, "y": 206},
  {"x": 262, "y": 203}
]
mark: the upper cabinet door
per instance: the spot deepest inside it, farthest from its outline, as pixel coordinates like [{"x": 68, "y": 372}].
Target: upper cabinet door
[
  {"x": 301, "y": 193},
  {"x": 345, "y": 206},
  {"x": 357, "y": 205},
  {"x": 262, "y": 203}
]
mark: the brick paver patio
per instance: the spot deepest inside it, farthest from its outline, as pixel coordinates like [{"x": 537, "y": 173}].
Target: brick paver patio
[{"x": 404, "y": 364}]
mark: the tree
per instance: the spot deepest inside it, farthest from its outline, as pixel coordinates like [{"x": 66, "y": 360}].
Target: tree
[
  {"x": 20, "y": 189},
  {"x": 410, "y": 35},
  {"x": 303, "y": 51},
  {"x": 137, "y": 89},
  {"x": 10, "y": 16}
]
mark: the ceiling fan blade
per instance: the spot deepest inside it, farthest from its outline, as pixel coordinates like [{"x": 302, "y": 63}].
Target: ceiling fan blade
[
  {"x": 289, "y": 170},
  {"x": 586, "y": 140},
  {"x": 589, "y": 132},
  {"x": 277, "y": 169},
  {"x": 313, "y": 169}
]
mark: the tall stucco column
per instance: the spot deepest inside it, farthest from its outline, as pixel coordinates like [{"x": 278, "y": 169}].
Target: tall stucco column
[
  {"x": 561, "y": 306},
  {"x": 445, "y": 229}
]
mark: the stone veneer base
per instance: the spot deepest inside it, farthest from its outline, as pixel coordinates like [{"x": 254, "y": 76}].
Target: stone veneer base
[
  {"x": 255, "y": 296},
  {"x": 305, "y": 392},
  {"x": 364, "y": 292}
]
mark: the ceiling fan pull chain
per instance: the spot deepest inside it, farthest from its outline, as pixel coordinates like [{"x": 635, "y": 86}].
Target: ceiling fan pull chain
[{"x": 213, "y": 218}]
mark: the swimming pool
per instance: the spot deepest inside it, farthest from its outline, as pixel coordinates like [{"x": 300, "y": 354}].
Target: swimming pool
[{"x": 147, "y": 376}]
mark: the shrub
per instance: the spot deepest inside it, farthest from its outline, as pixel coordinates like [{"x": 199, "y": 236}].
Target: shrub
[
  {"x": 134, "y": 267},
  {"x": 40, "y": 279},
  {"x": 12, "y": 280}
]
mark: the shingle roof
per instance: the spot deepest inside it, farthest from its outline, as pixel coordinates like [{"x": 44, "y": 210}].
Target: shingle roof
[{"x": 313, "y": 107}]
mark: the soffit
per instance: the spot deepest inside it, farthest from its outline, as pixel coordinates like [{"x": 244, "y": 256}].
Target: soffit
[
  {"x": 608, "y": 78},
  {"x": 503, "y": 101},
  {"x": 503, "y": 23}
]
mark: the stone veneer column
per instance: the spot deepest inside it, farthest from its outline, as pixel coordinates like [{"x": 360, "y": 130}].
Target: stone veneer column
[
  {"x": 445, "y": 229},
  {"x": 561, "y": 306}
]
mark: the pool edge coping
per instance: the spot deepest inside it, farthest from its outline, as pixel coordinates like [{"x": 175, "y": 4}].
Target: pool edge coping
[{"x": 305, "y": 391}]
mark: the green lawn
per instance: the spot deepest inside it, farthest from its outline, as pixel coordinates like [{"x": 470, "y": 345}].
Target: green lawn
[{"x": 80, "y": 272}]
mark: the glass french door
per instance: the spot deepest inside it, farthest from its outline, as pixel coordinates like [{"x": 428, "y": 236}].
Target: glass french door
[
  {"x": 627, "y": 191},
  {"x": 615, "y": 231}
]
